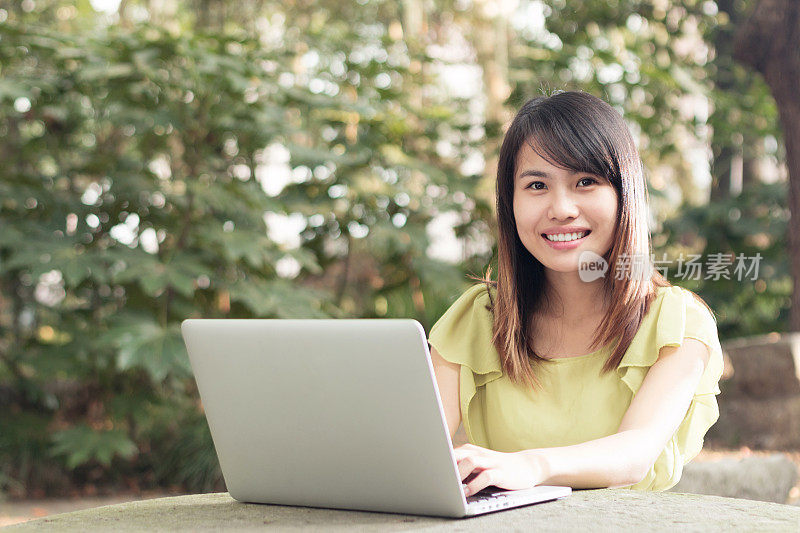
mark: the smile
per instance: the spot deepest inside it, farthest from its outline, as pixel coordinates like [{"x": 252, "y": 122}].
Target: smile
[
  {"x": 565, "y": 241},
  {"x": 566, "y": 237}
]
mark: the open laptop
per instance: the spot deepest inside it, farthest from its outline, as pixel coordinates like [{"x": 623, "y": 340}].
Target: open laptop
[{"x": 333, "y": 413}]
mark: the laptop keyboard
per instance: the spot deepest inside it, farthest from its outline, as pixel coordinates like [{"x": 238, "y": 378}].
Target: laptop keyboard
[
  {"x": 490, "y": 499},
  {"x": 477, "y": 499}
]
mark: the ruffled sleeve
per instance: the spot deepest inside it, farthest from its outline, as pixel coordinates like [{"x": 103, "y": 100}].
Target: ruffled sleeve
[
  {"x": 676, "y": 315},
  {"x": 463, "y": 335}
]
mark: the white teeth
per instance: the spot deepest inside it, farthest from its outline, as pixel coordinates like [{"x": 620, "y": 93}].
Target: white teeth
[{"x": 564, "y": 237}]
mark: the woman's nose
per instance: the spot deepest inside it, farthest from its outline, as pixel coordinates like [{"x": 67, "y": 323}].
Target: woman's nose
[{"x": 563, "y": 206}]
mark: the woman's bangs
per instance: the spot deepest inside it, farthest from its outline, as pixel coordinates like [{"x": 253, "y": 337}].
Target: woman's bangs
[{"x": 558, "y": 143}]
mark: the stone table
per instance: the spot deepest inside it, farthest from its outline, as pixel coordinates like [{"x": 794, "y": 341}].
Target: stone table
[{"x": 583, "y": 510}]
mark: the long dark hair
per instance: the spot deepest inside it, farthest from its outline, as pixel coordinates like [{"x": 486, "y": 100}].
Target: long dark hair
[{"x": 582, "y": 133}]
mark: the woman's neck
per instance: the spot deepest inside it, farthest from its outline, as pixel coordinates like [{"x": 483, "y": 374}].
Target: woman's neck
[{"x": 573, "y": 301}]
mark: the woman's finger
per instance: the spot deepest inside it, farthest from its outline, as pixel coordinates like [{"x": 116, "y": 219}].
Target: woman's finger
[
  {"x": 464, "y": 449},
  {"x": 461, "y": 452},
  {"x": 466, "y": 466},
  {"x": 475, "y": 461},
  {"x": 481, "y": 481}
]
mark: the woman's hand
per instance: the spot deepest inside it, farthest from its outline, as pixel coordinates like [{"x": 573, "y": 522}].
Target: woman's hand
[{"x": 505, "y": 470}]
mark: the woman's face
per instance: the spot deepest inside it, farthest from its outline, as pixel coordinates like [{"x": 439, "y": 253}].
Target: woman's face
[{"x": 557, "y": 202}]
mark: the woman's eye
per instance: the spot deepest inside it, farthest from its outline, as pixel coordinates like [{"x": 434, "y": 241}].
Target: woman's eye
[{"x": 538, "y": 185}]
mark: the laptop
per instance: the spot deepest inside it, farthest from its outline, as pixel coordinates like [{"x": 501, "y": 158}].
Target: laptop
[{"x": 333, "y": 413}]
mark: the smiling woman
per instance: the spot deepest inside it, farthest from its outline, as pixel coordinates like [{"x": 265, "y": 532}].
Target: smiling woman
[
  {"x": 547, "y": 200},
  {"x": 568, "y": 164},
  {"x": 605, "y": 382}
]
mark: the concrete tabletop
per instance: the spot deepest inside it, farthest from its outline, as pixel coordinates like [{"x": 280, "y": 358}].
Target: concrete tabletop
[{"x": 583, "y": 510}]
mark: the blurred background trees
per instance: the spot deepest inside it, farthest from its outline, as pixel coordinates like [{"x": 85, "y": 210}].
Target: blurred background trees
[{"x": 204, "y": 158}]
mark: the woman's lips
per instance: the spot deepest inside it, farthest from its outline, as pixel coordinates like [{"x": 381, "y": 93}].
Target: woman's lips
[{"x": 566, "y": 245}]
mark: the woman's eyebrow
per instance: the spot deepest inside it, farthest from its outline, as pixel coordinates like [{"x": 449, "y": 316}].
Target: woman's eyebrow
[{"x": 540, "y": 173}]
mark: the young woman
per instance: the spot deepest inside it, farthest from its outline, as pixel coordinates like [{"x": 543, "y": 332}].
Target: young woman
[{"x": 560, "y": 378}]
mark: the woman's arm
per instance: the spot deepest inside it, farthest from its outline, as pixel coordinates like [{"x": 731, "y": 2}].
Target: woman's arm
[
  {"x": 652, "y": 418},
  {"x": 447, "y": 381}
]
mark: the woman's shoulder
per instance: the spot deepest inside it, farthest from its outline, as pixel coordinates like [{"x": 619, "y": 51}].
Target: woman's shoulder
[
  {"x": 480, "y": 290},
  {"x": 463, "y": 334},
  {"x": 674, "y": 302},
  {"x": 478, "y": 296},
  {"x": 672, "y": 291},
  {"x": 674, "y": 315}
]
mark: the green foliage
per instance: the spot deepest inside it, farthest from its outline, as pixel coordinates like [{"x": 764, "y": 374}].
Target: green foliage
[
  {"x": 108, "y": 142},
  {"x": 189, "y": 458},
  {"x": 140, "y": 342},
  {"x": 131, "y": 200},
  {"x": 81, "y": 444},
  {"x": 718, "y": 228}
]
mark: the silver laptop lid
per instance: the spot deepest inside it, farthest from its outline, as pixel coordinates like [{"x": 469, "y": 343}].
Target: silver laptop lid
[{"x": 326, "y": 413}]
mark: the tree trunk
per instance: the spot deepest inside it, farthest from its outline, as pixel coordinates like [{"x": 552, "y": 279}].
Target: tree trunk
[
  {"x": 769, "y": 42},
  {"x": 722, "y": 148}
]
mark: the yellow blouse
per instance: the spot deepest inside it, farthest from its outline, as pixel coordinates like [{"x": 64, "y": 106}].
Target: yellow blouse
[{"x": 577, "y": 403}]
